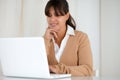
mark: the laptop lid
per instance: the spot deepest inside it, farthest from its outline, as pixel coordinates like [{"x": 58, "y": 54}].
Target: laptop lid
[{"x": 24, "y": 57}]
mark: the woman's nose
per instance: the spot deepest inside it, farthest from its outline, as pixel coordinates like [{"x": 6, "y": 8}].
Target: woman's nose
[{"x": 53, "y": 18}]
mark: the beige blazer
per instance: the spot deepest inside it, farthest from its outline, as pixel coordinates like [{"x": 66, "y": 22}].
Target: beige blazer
[{"x": 76, "y": 58}]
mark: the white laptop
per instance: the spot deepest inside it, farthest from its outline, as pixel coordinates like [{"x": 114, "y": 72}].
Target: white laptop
[
  {"x": 16, "y": 78},
  {"x": 25, "y": 57}
]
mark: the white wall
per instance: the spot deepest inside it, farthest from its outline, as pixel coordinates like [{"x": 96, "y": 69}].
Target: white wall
[
  {"x": 8, "y": 18},
  {"x": 110, "y": 37},
  {"x": 22, "y": 18},
  {"x": 34, "y": 19}
]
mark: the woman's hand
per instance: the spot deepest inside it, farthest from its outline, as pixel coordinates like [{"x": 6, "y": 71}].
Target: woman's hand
[
  {"x": 59, "y": 69},
  {"x": 53, "y": 69},
  {"x": 50, "y": 33}
]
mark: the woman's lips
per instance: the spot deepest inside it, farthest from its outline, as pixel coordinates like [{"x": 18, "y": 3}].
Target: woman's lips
[{"x": 53, "y": 24}]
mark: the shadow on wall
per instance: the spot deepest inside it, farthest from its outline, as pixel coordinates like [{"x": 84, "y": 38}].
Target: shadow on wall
[{"x": 0, "y": 70}]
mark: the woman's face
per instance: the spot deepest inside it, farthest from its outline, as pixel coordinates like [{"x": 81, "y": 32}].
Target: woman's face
[{"x": 58, "y": 23}]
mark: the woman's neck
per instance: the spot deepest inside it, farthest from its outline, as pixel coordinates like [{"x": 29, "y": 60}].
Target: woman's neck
[{"x": 61, "y": 35}]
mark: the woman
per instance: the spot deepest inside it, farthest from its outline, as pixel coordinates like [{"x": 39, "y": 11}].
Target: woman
[{"x": 68, "y": 50}]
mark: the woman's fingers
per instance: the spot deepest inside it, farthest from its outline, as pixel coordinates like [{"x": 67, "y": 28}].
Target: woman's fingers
[
  {"x": 48, "y": 35},
  {"x": 53, "y": 69},
  {"x": 55, "y": 36},
  {"x": 51, "y": 33}
]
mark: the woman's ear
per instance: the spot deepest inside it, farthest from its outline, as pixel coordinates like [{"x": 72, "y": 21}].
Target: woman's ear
[{"x": 67, "y": 16}]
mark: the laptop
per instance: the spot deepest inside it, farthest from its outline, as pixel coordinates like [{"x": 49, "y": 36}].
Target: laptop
[
  {"x": 25, "y": 57},
  {"x": 16, "y": 78}
]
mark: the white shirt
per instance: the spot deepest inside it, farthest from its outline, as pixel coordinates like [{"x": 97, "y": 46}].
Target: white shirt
[{"x": 59, "y": 51}]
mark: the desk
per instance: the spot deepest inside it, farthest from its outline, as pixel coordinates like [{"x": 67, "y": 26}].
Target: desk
[{"x": 71, "y": 78}]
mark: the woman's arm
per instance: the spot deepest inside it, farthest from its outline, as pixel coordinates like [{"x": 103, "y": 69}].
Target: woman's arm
[{"x": 50, "y": 52}]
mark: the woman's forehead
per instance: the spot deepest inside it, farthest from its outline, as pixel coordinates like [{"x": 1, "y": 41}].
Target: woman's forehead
[{"x": 54, "y": 10}]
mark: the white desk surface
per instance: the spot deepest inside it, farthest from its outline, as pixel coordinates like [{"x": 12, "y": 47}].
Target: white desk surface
[{"x": 71, "y": 78}]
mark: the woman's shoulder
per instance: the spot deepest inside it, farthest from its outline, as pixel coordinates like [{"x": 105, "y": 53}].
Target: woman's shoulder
[
  {"x": 80, "y": 33},
  {"x": 81, "y": 36}
]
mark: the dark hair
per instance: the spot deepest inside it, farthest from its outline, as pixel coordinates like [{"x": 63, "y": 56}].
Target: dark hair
[{"x": 61, "y": 8}]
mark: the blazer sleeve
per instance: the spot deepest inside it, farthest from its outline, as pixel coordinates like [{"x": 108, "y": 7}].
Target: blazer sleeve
[
  {"x": 50, "y": 52},
  {"x": 85, "y": 65}
]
